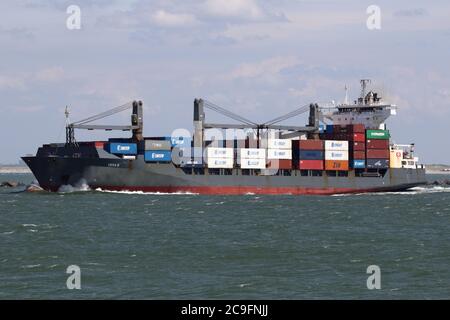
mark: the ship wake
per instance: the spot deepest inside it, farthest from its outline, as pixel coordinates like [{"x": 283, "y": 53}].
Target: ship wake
[
  {"x": 80, "y": 186},
  {"x": 147, "y": 193}
]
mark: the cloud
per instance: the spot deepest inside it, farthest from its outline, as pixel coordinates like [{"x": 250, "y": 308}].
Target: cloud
[
  {"x": 17, "y": 33},
  {"x": 29, "y": 79},
  {"x": 247, "y": 9},
  {"x": 268, "y": 67},
  {"x": 9, "y": 82},
  {"x": 418, "y": 12},
  {"x": 163, "y": 18},
  {"x": 50, "y": 74}
]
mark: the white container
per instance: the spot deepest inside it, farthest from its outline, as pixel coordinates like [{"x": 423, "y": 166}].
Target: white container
[
  {"x": 396, "y": 157},
  {"x": 336, "y": 145},
  {"x": 253, "y": 163},
  {"x": 250, "y": 153},
  {"x": 129, "y": 157},
  {"x": 336, "y": 155},
  {"x": 279, "y": 154},
  {"x": 220, "y": 153},
  {"x": 279, "y": 144},
  {"x": 220, "y": 163}
]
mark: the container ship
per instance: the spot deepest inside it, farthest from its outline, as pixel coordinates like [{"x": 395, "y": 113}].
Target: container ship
[{"x": 344, "y": 148}]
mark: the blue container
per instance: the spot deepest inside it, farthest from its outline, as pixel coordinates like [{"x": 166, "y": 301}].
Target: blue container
[
  {"x": 377, "y": 163},
  {"x": 123, "y": 148},
  {"x": 158, "y": 156},
  {"x": 312, "y": 155},
  {"x": 181, "y": 141},
  {"x": 359, "y": 164},
  {"x": 330, "y": 128}
]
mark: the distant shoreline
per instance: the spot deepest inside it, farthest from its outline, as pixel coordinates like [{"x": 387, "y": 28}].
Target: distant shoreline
[{"x": 14, "y": 169}]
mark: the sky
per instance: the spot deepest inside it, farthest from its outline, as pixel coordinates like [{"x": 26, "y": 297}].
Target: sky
[{"x": 258, "y": 58}]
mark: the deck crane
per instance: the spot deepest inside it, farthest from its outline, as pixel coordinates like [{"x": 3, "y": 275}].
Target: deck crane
[
  {"x": 200, "y": 125},
  {"x": 293, "y": 131},
  {"x": 137, "y": 122}
]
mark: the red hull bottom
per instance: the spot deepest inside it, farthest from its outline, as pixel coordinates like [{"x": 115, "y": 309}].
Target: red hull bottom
[{"x": 238, "y": 190}]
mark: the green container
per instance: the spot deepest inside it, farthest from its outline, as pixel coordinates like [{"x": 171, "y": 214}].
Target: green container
[{"x": 378, "y": 134}]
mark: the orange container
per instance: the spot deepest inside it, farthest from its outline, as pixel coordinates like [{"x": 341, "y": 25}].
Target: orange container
[{"x": 336, "y": 165}]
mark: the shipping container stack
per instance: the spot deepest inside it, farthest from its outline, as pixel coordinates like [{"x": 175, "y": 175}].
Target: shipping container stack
[
  {"x": 220, "y": 158},
  {"x": 182, "y": 150},
  {"x": 279, "y": 154},
  {"x": 357, "y": 145},
  {"x": 311, "y": 154},
  {"x": 158, "y": 150},
  {"x": 336, "y": 155},
  {"x": 252, "y": 158},
  {"x": 377, "y": 149}
]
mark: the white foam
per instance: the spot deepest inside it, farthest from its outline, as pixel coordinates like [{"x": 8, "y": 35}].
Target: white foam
[
  {"x": 412, "y": 191},
  {"x": 81, "y": 186},
  {"x": 147, "y": 193}
]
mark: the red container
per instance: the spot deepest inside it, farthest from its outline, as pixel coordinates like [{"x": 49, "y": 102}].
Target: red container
[
  {"x": 359, "y": 137},
  {"x": 336, "y": 165},
  {"x": 311, "y": 165},
  {"x": 358, "y": 128},
  {"x": 378, "y": 154},
  {"x": 99, "y": 144},
  {"x": 280, "y": 164},
  {"x": 359, "y": 155},
  {"x": 377, "y": 144},
  {"x": 311, "y": 145},
  {"x": 358, "y": 146}
]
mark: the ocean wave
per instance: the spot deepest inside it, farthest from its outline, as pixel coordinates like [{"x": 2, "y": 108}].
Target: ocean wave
[
  {"x": 148, "y": 193},
  {"x": 412, "y": 191},
  {"x": 81, "y": 186}
]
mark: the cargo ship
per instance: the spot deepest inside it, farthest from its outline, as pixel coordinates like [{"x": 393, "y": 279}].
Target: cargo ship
[{"x": 343, "y": 148}]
